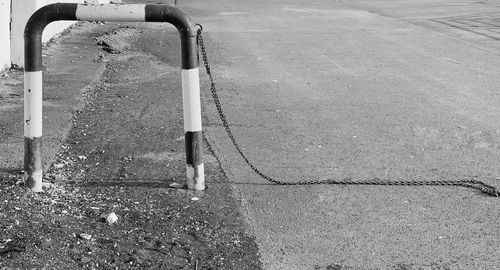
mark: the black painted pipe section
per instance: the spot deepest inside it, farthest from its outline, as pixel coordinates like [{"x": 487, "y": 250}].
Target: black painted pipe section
[{"x": 34, "y": 29}]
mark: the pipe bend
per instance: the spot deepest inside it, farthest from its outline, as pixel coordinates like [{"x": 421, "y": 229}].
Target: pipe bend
[
  {"x": 47, "y": 14},
  {"x": 172, "y": 15}
]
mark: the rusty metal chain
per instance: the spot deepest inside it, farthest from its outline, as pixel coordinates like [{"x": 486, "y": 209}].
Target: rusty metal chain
[{"x": 468, "y": 183}]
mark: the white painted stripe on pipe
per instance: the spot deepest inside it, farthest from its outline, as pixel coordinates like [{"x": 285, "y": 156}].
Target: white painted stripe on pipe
[
  {"x": 196, "y": 181},
  {"x": 111, "y": 12},
  {"x": 191, "y": 99},
  {"x": 33, "y": 104}
]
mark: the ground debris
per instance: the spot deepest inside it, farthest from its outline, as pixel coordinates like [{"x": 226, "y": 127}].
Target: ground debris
[
  {"x": 85, "y": 236},
  {"x": 109, "y": 218}
]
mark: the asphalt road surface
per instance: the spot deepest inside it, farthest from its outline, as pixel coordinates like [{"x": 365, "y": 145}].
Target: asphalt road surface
[{"x": 399, "y": 90}]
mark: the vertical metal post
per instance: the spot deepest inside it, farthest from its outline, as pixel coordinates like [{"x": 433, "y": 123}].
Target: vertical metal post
[
  {"x": 33, "y": 165},
  {"x": 33, "y": 130},
  {"x": 190, "y": 90},
  {"x": 192, "y": 113}
]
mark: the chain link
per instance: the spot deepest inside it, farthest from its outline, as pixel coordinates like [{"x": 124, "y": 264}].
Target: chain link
[{"x": 468, "y": 183}]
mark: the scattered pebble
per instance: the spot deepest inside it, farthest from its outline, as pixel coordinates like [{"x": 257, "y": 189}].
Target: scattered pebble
[
  {"x": 194, "y": 199},
  {"x": 111, "y": 218},
  {"x": 85, "y": 259},
  {"x": 47, "y": 185},
  {"x": 82, "y": 157},
  {"x": 175, "y": 185},
  {"x": 85, "y": 236}
]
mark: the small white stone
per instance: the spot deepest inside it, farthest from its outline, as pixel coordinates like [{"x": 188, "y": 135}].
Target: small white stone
[
  {"x": 194, "y": 199},
  {"x": 175, "y": 185},
  {"x": 85, "y": 236},
  {"x": 112, "y": 218}
]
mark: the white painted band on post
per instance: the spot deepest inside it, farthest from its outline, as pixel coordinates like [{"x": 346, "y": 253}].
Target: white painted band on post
[
  {"x": 196, "y": 181},
  {"x": 111, "y": 12},
  {"x": 191, "y": 99},
  {"x": 33, "y": 104},
  {"x": 36, "y": 181}
]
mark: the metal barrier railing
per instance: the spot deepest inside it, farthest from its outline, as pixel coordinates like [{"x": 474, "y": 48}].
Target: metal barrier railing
[{"x": 33, "y": 165}]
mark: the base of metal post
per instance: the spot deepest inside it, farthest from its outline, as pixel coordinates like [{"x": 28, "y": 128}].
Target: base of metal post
[
  {"x": 33, "y": 169},
  {"x": 196, "y": 177}
]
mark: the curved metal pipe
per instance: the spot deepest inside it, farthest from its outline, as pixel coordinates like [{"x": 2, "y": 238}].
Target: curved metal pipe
[{"x": 109, "y": 12}]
